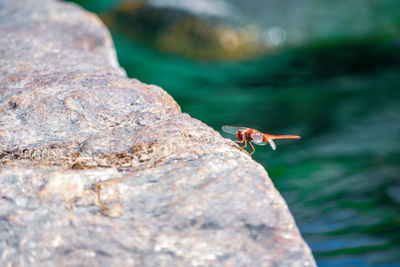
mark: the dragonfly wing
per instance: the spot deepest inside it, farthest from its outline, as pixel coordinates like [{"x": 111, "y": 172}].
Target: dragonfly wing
[
  {"x": 260, "y": 144},
  {"x": 233, "y": 129},
  {"x": 271, "y": 143}
]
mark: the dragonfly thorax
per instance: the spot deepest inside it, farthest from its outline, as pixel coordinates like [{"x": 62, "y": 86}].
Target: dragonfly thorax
[{"x": 253, "y": 136}]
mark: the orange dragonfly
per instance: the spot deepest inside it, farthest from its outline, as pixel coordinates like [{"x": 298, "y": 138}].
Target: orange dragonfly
[{"x": 249, "y": 135}]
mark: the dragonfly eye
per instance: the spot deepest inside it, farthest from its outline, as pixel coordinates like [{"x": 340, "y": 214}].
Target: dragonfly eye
[
  {"x": 239, "y": 135},
  {"x": 257, "y": 137}
]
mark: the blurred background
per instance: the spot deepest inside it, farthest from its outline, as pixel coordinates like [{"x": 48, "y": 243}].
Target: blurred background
[{"x": 327, "y": 70}]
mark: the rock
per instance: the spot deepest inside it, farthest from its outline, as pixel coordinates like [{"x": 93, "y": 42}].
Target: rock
[{"x": 98, "y": 169}]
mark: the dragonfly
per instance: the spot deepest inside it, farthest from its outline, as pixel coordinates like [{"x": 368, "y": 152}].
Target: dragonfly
[{"x": 247, "y": 135}]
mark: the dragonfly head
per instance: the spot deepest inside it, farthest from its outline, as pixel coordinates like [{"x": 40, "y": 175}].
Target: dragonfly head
[{"x": 240, "y": 135}]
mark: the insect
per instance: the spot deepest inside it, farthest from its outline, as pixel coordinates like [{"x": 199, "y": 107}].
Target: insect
[{"x": 249, "y": 135}]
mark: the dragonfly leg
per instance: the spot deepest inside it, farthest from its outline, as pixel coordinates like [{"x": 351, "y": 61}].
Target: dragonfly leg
[
  {"x": 252, "y": 149},
  {"x": 245, "y": 144},
  {"x": 241, "y": 142}
]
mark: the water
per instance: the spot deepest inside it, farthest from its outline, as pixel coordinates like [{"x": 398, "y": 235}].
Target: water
[{"x": 341, "y": 94}]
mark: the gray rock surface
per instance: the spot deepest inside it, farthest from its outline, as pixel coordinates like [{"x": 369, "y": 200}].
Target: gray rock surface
[{"x": 98, "y": 169}]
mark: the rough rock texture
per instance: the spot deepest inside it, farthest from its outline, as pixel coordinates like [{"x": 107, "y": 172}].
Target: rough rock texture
[{"x": 99, "y": 169}]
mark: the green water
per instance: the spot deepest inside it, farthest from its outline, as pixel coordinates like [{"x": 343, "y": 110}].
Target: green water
[{"x": 342, "y": 179}]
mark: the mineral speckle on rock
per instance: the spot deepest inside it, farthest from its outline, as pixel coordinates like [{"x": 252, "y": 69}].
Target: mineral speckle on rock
[{"x": 98, "y": 169}]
